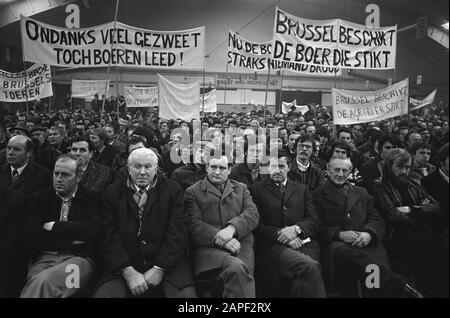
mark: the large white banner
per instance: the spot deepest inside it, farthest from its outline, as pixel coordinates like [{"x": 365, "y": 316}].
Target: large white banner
[
  {"x": 333, "y": 43},
  {"x": 178, "y": 100},
  {"x": 86, "y": 89},
  {"x": 35, "y": 82},
  {"x": 352, "y": 107},
  {"x": 210, "y": 103},
  {"x": 417, "y": 104},
  {"x": 141, "y": 96},
  {"x": 131, "y": 46},
  {"x": 245, "y": 54}
]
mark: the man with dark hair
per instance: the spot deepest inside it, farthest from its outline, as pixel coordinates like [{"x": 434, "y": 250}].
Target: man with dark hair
[
  {"x": 324, "y": 140},
  {"x": 44, "y": 153},
  {"x": 222, "y": 218},
  {"x": 95, "y": 177},
  {"x": 345, "y": 134},
  {"x": 62, "y": 229},
  {"x": 411, "y": 138},
  {"x": 21, "y": 173},
  {"x": 289, "y": 149},
  {"x": 402, "y": 133},
  {"x": 373, "y": 170},
  {"x": 436, "y": 183},
  {"x": 303, "y": 169},
  {"x": 288, "y": 261},
  {"x": 104, "y": 153},
  {"x": 421, "y": 166},
  {"x": 13, "y": 260},
  {"x": 111, "y": 137},
  {"x": 248, "y": 172},
  {"x": 412, "y": 215},
  {"x": 341, "y": 149},
  {"x": 194, "y": 169}
]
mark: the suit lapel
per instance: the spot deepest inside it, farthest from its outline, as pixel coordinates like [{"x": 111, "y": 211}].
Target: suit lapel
[
  {"x": 352, "y": 197},
  {"x": 28, "y": 171},
  {"x": 332, "y": 194},
  {"x": 208, "y": 187},
  {"x": 229, "y": 188},
  {"x": 290, "y": 189},
  {"x": 273, "y": 189}
]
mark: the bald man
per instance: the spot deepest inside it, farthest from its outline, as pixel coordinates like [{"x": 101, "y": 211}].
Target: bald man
[
  {"x": 144, "y": 234},
  {"x": 21, "y": 173}
]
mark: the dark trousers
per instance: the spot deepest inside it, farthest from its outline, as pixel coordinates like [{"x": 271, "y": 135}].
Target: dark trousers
[
  {"x": 117, "y": 288},
  {"x": 350, "y": 264},
  {"x": 302, "y": 273},
  {"x": 427, "y": 253}
]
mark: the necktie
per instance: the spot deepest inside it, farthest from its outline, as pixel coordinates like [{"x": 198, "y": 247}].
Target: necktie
[
  {"x": 282, "y": 188},
  {"x": 64, "y": 215},
  {"x": 14, "y": 176}
]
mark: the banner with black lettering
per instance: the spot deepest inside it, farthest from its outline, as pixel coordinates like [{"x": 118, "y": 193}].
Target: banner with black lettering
[
  {"x": 243, "y": 53},
  {"x": 141, "y": 96},
  {"x": 333, "y": 43},
  {"x": 353, "y": 107},
  {"x": 210, "y": 103},
  {"x": 87, "y": 89},
  {"x": 131, "y": 46},
  {"x": 177, "y": 100},
  {"x": 417, "y": 104},
  {"x": 36, "y": 82}
]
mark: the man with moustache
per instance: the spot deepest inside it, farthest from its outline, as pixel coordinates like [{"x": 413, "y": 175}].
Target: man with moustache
[{"x": 303, "y": 169}]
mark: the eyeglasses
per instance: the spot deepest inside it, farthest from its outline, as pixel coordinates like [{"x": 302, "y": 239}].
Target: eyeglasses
[{"x": 301, "y": 146}]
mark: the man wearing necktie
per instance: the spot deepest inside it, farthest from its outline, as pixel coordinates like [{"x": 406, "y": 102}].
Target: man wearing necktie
[
  {"x": 144, "y": 234},
  {"x": 287, "y": 256},
  {"x": 222, "y": 218},
  {"x": 61, "y": 230}
]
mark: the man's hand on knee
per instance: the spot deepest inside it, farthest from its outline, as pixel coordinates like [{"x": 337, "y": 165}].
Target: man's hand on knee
[{"x": 135, "y": 281}]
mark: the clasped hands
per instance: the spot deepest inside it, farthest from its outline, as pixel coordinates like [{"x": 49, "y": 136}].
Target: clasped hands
[
  {"x": 288, "y": 235},
  {"x": 139, "y": 283},
  {"x": 225, "y": 239},
  {"x": 355, "y": 238}
]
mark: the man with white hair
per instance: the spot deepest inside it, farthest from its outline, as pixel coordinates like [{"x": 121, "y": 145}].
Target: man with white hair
[{"x": 144, "y": 234}]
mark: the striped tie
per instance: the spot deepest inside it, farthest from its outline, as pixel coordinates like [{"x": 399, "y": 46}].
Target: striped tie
[
  {"x": 14, "y": 176},
  {"x": 141, "y": 200}
]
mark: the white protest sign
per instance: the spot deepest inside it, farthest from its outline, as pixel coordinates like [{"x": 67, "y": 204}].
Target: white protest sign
[
  {"x": 178, "y": 100},
  {"x": 417, "y": 104},
  {"x": 86, "y": 89},
  {"x": 286, "y": 107},
  {"x": 243, "y": 53},
  {"x": 36, "y": 82},
  {"x": 141, "y": 96},
  {"x": 353, "y": 107},
  {"x": 210, "y": 103},
  {"x": 131, "y": 46},
  {"x": 333, "y": 43}
]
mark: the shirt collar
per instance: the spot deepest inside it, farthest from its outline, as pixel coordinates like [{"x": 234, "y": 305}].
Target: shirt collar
[
  {"x": 20, "y": 169},
  {"x": 133, "y": 186},
  {"x": 303, "y": 167},
  {"x": 70, "y": 197}
]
